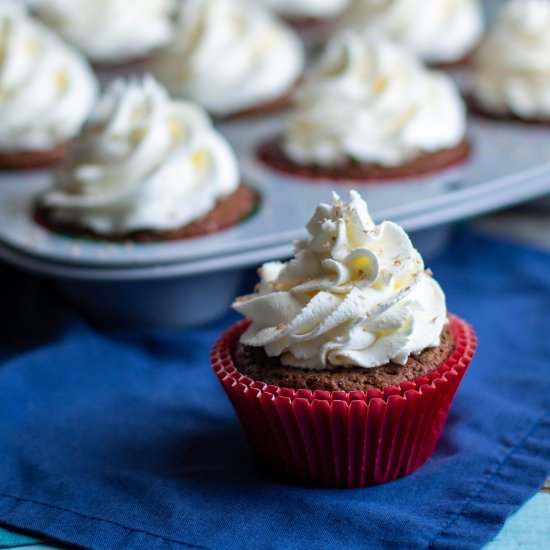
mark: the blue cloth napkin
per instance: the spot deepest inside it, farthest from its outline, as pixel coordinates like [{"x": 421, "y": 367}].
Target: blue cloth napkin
[{"x": 126, "y": 440}]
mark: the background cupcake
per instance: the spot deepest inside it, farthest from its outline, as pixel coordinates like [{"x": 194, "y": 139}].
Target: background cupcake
[
  {"x": 110, "y": 32},
  {"x": 46, "y": 92},
  {"x": 370, "y": 110},
  {"x": 512, "y": 68},
  {"x": 438, "y": 31},
  {"x": 232, "y": 57},
  {"x": 146, "y": 168},
  {"x": 352, "y": 328}
]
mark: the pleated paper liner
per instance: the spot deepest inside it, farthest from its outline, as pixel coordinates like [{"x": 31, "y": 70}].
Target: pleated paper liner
[{"x": 345, "y": 439}]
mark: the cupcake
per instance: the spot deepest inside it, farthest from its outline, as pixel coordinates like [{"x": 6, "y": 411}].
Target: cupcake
[
  {"x": 232, "y": 57},
  {"x": 512, "y": 68},
  {"x": 346, "y": 367},
  {"x": 369, "y": 110},
  {"x": 110, "y": 32},
  {"x": 441, "y": 32},
  {"x": 146, "y": 168},
  {"x": 303, "y": 14},
  {"x": 46, "y": 92}
]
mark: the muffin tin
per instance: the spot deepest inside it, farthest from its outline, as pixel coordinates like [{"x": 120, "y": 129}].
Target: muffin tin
[
  {"x": 189, "y": 282},
  {"x": 510, "y": 163}
]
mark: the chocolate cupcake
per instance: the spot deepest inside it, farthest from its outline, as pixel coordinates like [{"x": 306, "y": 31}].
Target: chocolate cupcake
[
  {"x": 146, "y": 168},
  {"x": 46, "y": 92},
  {"x": 232, "y": 57},
  {"x": 347, "y": 365},
  {"x": 440, "y": 32},
  {"x": 254, "y": 363},
  {"x": 111, "y": 33},
  {"x": 369, "y": 111},
  {"x": 511, "y": 78}
]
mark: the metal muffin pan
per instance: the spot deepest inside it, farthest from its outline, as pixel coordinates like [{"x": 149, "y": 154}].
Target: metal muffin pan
[
  {"x": 510, "y": 163},
  {"x": 194, "y": 292},
  {"x": 172, "y": 295}
]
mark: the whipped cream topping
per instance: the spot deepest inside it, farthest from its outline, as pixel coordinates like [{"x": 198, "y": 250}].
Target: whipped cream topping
[
  {"x": 512, "y": 67},
  {"x": 368, "y": 100},
  {"x": 307, "y": 8},
  {"x": 230, "y": 55},
  {"x": 438, "y": 31},
  {"x": 110, "y": 31},
  {"x": 46, "y": 89},
  {"x": 355, "y": 294},
  {"x": 143, "y": 161}
]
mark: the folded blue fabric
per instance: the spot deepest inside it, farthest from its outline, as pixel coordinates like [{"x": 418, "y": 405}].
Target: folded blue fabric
[{"x": 126, "y": 440}]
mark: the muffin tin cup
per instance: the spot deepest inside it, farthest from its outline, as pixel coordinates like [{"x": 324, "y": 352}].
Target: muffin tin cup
[
  {"x": 344, "y": 439},
  {"x": 173, "y": 296},
  {"x": 160, "y": 303}
]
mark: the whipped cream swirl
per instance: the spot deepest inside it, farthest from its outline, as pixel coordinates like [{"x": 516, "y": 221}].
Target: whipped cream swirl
[
  {"x": 320, "y": 9},
  {"x": 110, "y": 31},
  {"x": 438, "y": 31},
  {"x": 229, "y": 56},
  {"x": 355, "y": 294},
  {"x": 144, "y": 161},
  {"x": 512, "y": 68},
  {"x": 46, "y": 88},
  {"x": 370, "y": 101}
]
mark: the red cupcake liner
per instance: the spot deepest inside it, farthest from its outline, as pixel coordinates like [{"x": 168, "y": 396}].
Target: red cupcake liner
[{"x": 345, "y": 439}]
